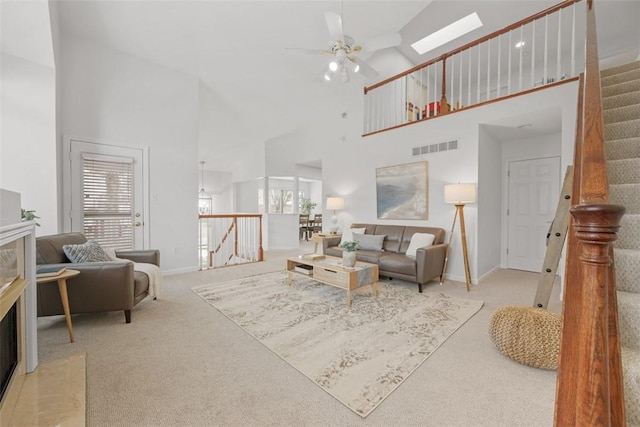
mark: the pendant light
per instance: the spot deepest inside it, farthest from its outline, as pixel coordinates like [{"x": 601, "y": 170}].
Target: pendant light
[{"x": 205, "y": 201}]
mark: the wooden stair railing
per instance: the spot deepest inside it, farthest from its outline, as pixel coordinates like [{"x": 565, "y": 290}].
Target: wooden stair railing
[
  {"x": 243, "y": 233},
  {"x": 589, "y": 386}
]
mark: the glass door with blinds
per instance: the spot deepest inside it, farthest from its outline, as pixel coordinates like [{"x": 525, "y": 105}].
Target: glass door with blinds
[{"x": 106, "y": 194}]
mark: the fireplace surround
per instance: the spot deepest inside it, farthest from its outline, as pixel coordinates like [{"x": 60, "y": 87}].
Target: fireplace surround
[{"x": 18, "y": 328}]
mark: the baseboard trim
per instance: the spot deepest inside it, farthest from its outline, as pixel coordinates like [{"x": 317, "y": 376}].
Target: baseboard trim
[{"x": 175, "y": 271}]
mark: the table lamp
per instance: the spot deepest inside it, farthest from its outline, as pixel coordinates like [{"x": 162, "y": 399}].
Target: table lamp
[
  {"x": 459, "y": 195},
  {"x": 334, "y": 204}
]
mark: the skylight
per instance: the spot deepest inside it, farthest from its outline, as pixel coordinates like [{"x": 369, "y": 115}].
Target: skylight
[{"x": 450, "y": 32}]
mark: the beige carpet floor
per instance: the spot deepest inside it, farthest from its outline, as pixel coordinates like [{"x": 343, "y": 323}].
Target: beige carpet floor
[
  {"x": 165, "y": 369},
  {"x": 357, "y": 354}
]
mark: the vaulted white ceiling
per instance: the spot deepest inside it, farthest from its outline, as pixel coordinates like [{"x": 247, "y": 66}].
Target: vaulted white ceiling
[{"x": 239, "y": 49}]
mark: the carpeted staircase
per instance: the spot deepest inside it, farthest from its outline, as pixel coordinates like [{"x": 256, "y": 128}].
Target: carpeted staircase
[{"x": 621, "y": 111}]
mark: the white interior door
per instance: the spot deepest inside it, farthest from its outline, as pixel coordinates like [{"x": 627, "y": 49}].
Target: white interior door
[
  {"x": 534, "y": 188},
  {"x": 105, "y": 197}
]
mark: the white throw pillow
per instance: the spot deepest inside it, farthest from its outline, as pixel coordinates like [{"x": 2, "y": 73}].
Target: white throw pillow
[
  {"x": 347, "y": 234},
  {"x": 419, "y": 240}
]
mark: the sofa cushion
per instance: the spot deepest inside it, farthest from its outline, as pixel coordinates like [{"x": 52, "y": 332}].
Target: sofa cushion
[
  {"x": 394, "y": 236},
  {"x": 397, "y": 263},
  {"x": 85, "y": 252},
  {"x": 369, "y": 242},
  {"x": 347, "y": 234},
  {"x": 419, "y": 240},
  {"x": 49, "y": 248},
  {"x": 369, "y": 256}
]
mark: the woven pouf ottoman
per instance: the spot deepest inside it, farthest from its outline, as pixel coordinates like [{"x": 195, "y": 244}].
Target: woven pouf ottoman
[{"x": 528, "y": 335}]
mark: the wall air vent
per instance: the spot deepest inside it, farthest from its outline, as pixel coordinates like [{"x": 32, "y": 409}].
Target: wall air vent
[{"x": 434, "y": 148}]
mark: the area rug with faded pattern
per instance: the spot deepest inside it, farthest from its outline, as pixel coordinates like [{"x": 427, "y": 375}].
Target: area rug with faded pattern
[{"x": 359, "y": 355}]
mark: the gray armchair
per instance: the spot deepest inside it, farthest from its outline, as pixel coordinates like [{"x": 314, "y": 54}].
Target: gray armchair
[{"x": 100, "y": 286}]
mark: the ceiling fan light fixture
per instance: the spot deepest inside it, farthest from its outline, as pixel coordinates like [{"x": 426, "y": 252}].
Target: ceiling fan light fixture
[
  {"x": 333, "y": 66},
  {"x": 345, "y": 75},
  {"x": 357, "y": 68},
  {"x": 327, "y": 77}
]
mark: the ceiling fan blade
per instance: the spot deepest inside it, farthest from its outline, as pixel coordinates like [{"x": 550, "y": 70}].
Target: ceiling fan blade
[
  {"x": 334, "y": 24},
  {"x": 311, "y": 51},
  {"x": 382, "y": 42}
]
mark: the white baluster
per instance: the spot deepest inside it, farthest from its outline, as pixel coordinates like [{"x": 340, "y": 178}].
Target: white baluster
[
  {"x": 488, "y": 69},
  {"x": 509, "y": 67},
  {"x": 546, "y": 49},
  {"x": 520, "y": 64},
  {"x": 469, "y": 80},
  {"x": 499, "y": 62},
  {"x": 459, "y": 105},
  {"x": 533, "y": 55},
  {"x": 478, "y": 82},
  {"x": 559, "y": 54},
  {"x": 573, "y": 40}
]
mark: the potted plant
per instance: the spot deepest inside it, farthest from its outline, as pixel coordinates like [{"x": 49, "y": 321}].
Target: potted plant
[
  {"x": 28, "y": 215},
  {"x": 349, "y": 249},
  {"x": 306, "y": 206}
]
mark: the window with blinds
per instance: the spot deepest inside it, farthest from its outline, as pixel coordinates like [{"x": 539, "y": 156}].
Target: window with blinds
[{"x": 108, "y": 200}]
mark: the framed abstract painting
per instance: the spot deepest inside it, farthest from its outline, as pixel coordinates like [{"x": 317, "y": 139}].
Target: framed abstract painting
[{"x": 402, "y": 191}]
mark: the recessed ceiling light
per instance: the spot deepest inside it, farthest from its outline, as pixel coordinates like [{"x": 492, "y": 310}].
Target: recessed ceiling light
[
  {"x": 520, "y": 44},
  {"x": 450, "y": 32}
]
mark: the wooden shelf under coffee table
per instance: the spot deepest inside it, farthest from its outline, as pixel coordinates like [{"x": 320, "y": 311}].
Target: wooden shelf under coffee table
[{"x": 329, "y": 270}]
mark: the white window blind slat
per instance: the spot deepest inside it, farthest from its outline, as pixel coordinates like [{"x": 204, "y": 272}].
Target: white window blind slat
[{"x": 108, "y": 200}]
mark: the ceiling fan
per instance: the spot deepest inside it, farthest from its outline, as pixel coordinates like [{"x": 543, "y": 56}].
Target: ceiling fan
[{"x": 343, "y": 50}]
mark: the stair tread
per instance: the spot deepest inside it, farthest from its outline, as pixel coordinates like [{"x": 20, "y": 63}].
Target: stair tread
[
  {"x": 615, "y": 101},
  {"x": 625, "y": 75},
  {"x": 620, "y": 88},
  {"x": 620, "y": 68},
  {"x": 622, "y": 114}
]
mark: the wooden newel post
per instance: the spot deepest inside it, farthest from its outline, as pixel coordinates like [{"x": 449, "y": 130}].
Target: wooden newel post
[{"x": 599, "y": 394}]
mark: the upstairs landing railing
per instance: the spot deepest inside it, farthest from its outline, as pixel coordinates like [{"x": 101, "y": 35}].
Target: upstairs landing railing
[
  {"x": 589, "y": 387},
  {"x": 230, "y": 239},
  {"x": 483, "y": 71}
]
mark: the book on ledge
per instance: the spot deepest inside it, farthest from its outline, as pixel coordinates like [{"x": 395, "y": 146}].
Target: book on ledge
[
  {"x": 304, "y": 269},
  {"x": 46, "y": 271}
]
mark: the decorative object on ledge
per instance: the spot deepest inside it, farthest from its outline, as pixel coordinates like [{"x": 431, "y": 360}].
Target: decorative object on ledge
[
  {"x": 402, "y": 191},
  {"x": 459, "y": 194},
  {"x": 205, "y": 201},
  {"x": 334, "y": 204}
]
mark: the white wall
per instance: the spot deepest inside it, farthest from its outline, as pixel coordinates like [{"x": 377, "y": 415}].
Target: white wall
[
  {"x": 113, "y": 98},
  {"x": 220, "y": 186},
  {"x": 246, "y": 196},
  {"x": 489, "y": 206},
  {"x": 28, "y": 110}
]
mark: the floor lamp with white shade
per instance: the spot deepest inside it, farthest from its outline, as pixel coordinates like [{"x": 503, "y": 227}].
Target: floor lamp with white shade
[
  {"x": 459, "y": 195},
  {"x": 334, "y": 204}
]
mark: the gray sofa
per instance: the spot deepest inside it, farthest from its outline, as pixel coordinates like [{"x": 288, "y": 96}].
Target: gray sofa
[{"x": 392, "y": 261}]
